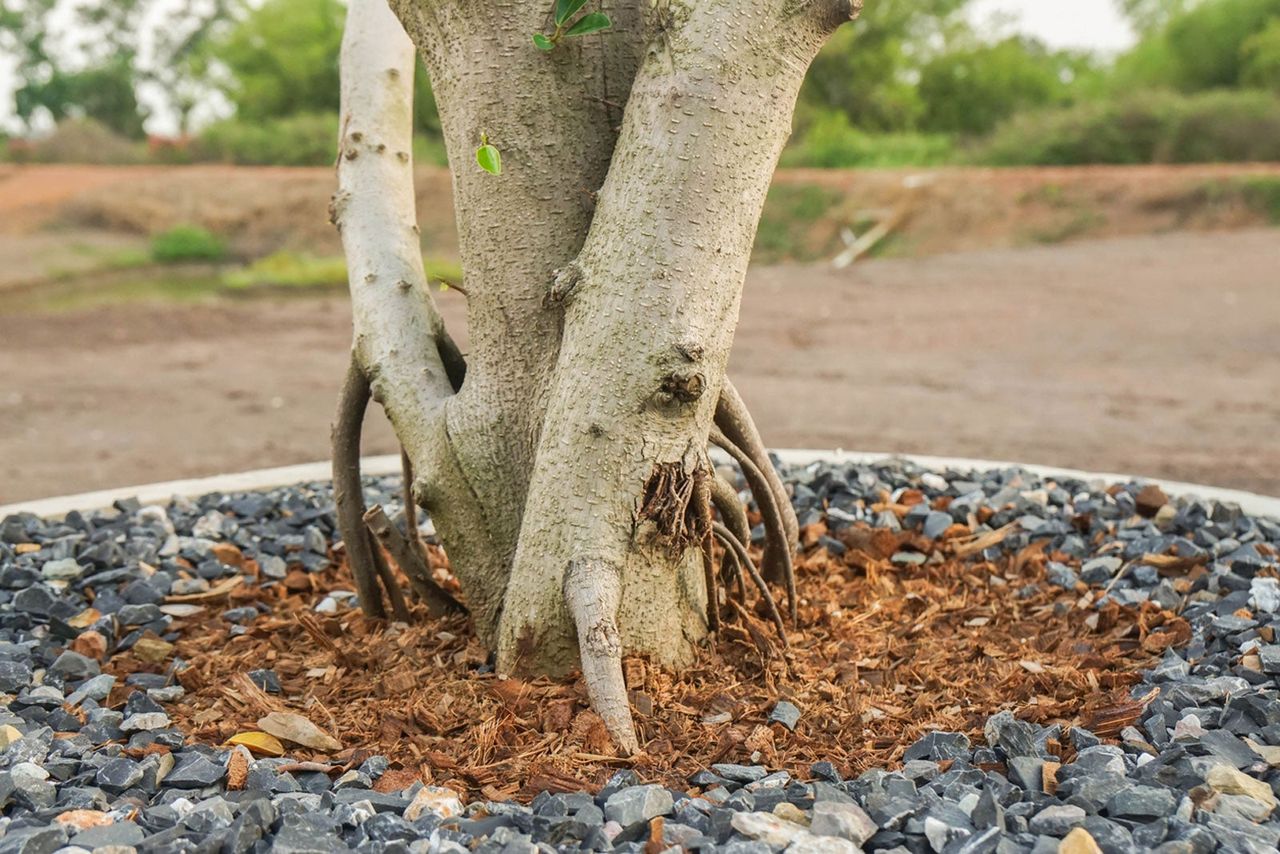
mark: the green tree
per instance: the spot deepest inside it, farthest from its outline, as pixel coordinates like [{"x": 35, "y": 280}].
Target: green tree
[
  {"x": 279, "y": 58},
  {"x": 867, "y": 70},
  {"x": 1149, "y": 16},
  {"x": 1205, "y": 46},
  {"x": 972, "y": 89},
  {"x": 1262, "y": 58},
  {"x": 100, "y": 87}
]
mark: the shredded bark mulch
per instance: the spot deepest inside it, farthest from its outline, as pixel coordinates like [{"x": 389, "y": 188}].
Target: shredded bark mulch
[{"x": 885, "y": 652}]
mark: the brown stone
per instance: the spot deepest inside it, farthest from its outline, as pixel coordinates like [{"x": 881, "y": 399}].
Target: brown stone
[
  {"x": 84, "y": 819},
  {"x": 90, "y": 644},
  {"x": 228, "y": 554},
  {"x": 1149, "y": 500},
  {"x": 1078, "y": 841}
]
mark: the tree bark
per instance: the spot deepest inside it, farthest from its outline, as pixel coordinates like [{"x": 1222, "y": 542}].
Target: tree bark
[{"x": 604, "y": 268}]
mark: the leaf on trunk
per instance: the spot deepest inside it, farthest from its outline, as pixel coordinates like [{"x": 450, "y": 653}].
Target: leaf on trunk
[
  {"x": 566, "y": 9},
  {"x": 541, "y": 42},
  {"x": 489, "y": 159},
  {"x": 593, "y": 23}
]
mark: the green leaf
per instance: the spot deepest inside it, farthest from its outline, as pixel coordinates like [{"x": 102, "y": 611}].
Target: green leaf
[
  {"x": 593, "y": 23},
  {"x": 489, "y": 159},
  {"x": 566, "y": 9},
  {"x": 542, "y": 42}
]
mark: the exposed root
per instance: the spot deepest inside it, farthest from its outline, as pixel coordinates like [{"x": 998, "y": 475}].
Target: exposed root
[
  {"x": 410, "y": 509},
  {"x": 592, "y": 592},
  {"x": 747, "y": 565},
  {"x": 702, "y": 499},
  {"x": 347, "y": 494},
  {"x": 411, "y": 562},
  {"x": 736, "y": 423},
  {"x": 672, "y": 502},
  {"x": 399, "y": 608},
  {"x": 734, "y": 516},
  {"x": 777, "y": 548}
]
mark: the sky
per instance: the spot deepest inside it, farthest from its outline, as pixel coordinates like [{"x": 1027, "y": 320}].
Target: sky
[
  {"x": 1091, "y": 24},
  {"x": 1088, "y": 24}
]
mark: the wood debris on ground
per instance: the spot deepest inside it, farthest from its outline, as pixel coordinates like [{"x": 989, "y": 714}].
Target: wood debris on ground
[{"x": 884, "y": 653}]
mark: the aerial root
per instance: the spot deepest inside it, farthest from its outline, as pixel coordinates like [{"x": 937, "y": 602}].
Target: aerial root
[
  {"x": 735, "y": 421},
  {"x": 348, "y": 494},
  {"x": 702, "y": 497},
  {"x": 412, "y": 562},
  {"x": 777, "y": 545},
  {"x": 399, "y": 608},
  {"x": 745, "y": 564},
  {"x": 725, "y": 499}
]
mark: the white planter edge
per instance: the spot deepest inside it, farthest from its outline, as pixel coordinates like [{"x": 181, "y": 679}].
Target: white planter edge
[{"x": 159, "y": 493}]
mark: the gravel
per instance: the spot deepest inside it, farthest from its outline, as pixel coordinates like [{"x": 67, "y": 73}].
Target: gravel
[{"x": 1198, "y": 772}]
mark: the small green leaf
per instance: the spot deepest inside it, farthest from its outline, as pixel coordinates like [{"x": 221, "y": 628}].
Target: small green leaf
[
  {"x": 542, "y": 42},
  {"x": 566, "y": 9},
  {"x": 593, "y": 23},
  {"x": 489, "y": 159}
]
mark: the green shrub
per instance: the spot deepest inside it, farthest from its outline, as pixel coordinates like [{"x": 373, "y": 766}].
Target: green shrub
[
  {"x": 187, "y": 243},
  {"x": 830, "y": 142},
  {"x": 308, "y": 139},
  {"x": 1148, "y": 127}
]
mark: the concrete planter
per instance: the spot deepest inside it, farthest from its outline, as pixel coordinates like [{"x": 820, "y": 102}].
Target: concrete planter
[{"x": 153, "y": 493}]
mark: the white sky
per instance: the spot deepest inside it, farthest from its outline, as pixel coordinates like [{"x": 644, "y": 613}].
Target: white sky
[
  {"x": 1088, "y": 24},
  {"x": 1091, "y": 24}
]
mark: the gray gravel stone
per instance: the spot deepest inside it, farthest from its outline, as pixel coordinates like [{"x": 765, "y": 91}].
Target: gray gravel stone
[
  {"x": 1056, "y": 820},
  {"x": 845, "y": 820},
  {"x": 637, "y": 803}
]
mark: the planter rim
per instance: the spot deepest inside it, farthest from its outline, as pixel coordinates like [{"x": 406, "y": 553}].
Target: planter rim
[{"x": 258, "y": 479}]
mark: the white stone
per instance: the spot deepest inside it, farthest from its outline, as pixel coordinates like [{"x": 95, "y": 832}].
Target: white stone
[
  {"x": 436, "y": 800},
  {"x": 1264, "y": 595},
  {"x": 807, "y": 843},
  {"x": 766, "y": 827}
]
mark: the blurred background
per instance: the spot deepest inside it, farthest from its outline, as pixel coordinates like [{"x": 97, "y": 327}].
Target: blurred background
[{"x": 1015, "y": 229}]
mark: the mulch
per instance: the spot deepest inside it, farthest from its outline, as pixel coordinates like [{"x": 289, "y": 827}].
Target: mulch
[{"x": 883, "y": 654}]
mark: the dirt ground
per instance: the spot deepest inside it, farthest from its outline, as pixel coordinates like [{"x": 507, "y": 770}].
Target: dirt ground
[{"x": 1157, "y": 355}]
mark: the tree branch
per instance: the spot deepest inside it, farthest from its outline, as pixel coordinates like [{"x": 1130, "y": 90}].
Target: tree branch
[{"x": 397, "y": 326}]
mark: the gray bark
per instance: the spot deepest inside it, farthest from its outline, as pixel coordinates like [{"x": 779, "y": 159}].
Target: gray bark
[{"x": 603, "y": 268}]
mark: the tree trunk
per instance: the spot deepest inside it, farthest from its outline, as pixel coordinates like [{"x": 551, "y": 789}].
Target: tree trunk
[{"x": 568, "y": 476}]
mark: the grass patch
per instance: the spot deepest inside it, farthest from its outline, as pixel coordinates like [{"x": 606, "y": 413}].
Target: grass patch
[
  {"x": 187, "y": 243},
  {"x": 1261, "y": 194},
  {"x": 790, "y": 212},
  {"x": 296, "y": 270}
]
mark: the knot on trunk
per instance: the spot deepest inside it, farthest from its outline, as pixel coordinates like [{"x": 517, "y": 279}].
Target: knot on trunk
[
  {"x": 563, "y": 284},
  {"x": 676, "y": 502},
  {"x": 681, "y": 387}
]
